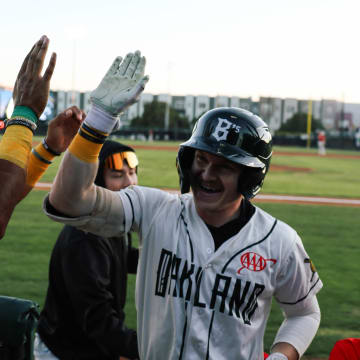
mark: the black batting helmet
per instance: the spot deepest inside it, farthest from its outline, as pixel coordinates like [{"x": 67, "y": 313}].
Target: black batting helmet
[{"x": 235, "y": 134}]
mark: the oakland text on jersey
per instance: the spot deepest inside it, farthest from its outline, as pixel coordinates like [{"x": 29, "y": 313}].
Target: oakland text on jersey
[{"x": 229, "y": 295}]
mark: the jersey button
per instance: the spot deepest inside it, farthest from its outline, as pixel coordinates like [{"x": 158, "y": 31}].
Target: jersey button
[{"x": 209, "y": 251}]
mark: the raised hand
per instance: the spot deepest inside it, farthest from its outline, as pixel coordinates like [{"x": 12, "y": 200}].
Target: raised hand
[
  {"x": 31, "y": 89},
  {"x": 122, "y": 84},
  {"x": 63, "y": 128}
]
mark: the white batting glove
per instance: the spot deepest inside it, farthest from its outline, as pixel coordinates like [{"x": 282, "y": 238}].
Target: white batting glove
[
  {"x": 122, "y": 84},
  {"x": 277, "y": 356}
]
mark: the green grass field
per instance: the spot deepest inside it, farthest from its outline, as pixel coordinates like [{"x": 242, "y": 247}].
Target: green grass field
[{"x": 330, "y": 235}]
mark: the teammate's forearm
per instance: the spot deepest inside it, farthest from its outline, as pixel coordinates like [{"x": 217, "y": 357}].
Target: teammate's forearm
[
  {"x": 39, "y": 160},
  {"x": 73, "y": 191},
  {"x": 12, "y": 179},
  {"x": 15, "y": 147}
]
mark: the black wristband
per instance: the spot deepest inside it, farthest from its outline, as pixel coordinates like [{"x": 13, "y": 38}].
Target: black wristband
[
  {"x": 90, "y": 138},
  {"x": 93, "y": 132},
  {"x": 49, "y": 149},
  {"x": 40, "y": 157},
  {"x": 30, "y": 125}
]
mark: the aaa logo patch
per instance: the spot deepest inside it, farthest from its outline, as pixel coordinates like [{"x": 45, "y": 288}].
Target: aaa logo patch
[{"x": 254, "y": 262}]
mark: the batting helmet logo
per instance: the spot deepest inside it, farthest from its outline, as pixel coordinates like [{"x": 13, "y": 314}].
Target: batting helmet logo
[
  {"x": 254, "y": 262},
  {"x": 222, "y": 129}
]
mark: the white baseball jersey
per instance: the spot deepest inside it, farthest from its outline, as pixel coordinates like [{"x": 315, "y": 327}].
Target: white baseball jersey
[{"x": 197, "y": 303}]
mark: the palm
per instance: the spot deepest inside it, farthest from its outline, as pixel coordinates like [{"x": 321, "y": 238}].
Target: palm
[{"x": 121, "y": 85}]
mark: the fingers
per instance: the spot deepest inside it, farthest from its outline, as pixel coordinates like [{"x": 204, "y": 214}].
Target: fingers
[
  {"x": 78, "y": 114},
  {"x": 140, "y": 69},
  {"x": 124, "y": 65},
  {"x": 132, "y": 66},
  {"x": 130, "y": 71},
  {"x": 37, "y": 56},
  {"x": 50, "y": 69},
  {"x": 114, "y": 67},
  {"x": 40, "y": 58},
  {"x": 26, "y": 60},
  {"x": 24, "y": 66},
  {"x": 83, "y": 115},
  {"x": 75, "y": 112},
  {"x": 68, "y": 113}
]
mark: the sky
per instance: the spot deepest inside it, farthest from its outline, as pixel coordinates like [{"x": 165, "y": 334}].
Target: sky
[{"x": 306, "y": 49}]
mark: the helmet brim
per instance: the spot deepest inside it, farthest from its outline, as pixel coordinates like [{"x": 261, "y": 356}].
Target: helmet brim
[{"x": 223, "y": 149}]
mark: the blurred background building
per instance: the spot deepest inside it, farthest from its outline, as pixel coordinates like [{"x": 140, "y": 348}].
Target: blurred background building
[{"x": 337, "y": 118}]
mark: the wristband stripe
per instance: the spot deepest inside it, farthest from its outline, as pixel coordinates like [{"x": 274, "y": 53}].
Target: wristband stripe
[
  {"x": 36, "y": 168},
  {"x": 49, "y": 149},
  {"x": 21, "y": 121},
  {"x": 94, "y": 132},
  {"x": 90, "y": 138},
  {"x": 43, "y": 152},
  {"x": 33, "y": 151},
  {"x": 85, "y": 149}
]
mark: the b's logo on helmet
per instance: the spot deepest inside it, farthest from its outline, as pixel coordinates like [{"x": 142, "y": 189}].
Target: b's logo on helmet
[{"x": 222, "y": 129}]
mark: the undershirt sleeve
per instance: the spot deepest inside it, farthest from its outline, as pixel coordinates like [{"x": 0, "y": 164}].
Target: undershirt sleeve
[{"x": 300, "y": 324}]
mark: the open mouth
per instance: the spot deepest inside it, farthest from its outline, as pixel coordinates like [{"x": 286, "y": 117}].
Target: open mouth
[
  {"x": 208, "y": 189},
  {"x": 205, "y": 188}
]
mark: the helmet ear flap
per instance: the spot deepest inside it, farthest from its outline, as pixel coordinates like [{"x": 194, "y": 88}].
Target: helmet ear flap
[
  {"x": 250, "y": 181},
  {"x": 184, "y": 161}
]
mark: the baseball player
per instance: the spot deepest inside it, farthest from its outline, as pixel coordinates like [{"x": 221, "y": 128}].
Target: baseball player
[{"x": 210, "y": 261}]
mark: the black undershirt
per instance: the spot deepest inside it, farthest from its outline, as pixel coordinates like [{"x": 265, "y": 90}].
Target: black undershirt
[{"x": 226, "y": 231}]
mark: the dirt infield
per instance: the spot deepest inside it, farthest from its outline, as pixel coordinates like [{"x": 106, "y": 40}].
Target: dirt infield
[{"x": 289, "y": 168}]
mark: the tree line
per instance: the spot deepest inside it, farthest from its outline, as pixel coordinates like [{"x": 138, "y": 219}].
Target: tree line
[{"x": 154, "y": 117}]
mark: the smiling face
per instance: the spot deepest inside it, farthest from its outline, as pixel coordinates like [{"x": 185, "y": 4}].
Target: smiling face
[
  {"x": 116, "y": 180},
  {"x": 214, "y": 182}
]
